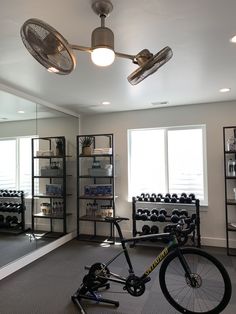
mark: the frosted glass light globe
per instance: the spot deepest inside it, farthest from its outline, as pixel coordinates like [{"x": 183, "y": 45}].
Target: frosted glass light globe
[{"x": 103, "y": 56}]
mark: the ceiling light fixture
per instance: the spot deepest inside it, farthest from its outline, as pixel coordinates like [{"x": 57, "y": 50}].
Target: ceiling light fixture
[
  {"x": 105, "y": 103},
  {"x": 225, "y": 90},
  {"x": 20, "y": 111},
  {"x": 53, "y": 51}
]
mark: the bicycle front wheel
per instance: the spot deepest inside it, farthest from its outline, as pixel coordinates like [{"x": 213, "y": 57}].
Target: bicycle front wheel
[{"x": 208, "y": 290}]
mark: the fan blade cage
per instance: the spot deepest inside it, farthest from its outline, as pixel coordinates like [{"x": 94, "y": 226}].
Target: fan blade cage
[
  {"x": 150, "y": 66},
  {"x": 47, "y": 46}
]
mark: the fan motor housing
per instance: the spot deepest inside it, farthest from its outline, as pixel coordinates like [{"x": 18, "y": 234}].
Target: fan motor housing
[{"x": 102, "y": 37}]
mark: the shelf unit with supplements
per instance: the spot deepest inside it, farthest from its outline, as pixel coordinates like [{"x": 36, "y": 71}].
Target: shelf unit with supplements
[
  {"x": 49, "y": 194},
  {"x": 12, "y": 211},
  {"x": 229, "y": 144},
  {"x": 155, "y": 213},
  {"x": 95, "y": 187}
]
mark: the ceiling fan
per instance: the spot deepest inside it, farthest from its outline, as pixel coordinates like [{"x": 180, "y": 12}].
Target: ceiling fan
[{"x": 53, "y": 51}]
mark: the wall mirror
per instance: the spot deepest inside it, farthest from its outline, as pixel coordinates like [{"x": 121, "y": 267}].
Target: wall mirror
[{"x": 20, "y": 121}]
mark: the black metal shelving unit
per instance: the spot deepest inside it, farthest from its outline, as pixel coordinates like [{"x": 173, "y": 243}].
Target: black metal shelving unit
[
  {"x": 56, "y": 177},
  {"x": 192, "y": 208},
  {"x": 84, "y": 163},
  {"x": 12, "y": 211},
  {"x": 230, "y": 183}
]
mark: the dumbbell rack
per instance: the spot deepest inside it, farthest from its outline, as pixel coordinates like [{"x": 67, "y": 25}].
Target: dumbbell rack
[
  {"x": 12, "y": 211},
  {"x": 194, "y": 207}
]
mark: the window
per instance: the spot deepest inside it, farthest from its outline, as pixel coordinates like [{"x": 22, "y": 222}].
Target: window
[
  {"x": 15, "y": 164},
  {"x": 168, "y": 160}
]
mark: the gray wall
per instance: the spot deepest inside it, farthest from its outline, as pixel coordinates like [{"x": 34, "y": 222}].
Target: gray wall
[{"x": 214, "y": 116}]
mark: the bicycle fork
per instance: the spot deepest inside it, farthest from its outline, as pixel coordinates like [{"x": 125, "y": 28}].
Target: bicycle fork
[{"x": 193, "y": 280}]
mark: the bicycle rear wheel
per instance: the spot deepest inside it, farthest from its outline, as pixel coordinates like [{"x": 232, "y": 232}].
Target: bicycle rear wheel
[{"x": 212, "y": 290}]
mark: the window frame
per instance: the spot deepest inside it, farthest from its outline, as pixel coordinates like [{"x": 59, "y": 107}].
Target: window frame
[{"x": 166, "y": 129}]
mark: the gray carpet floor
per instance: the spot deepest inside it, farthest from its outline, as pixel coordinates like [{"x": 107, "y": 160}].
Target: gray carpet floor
[{"x": 46, "y": 286}]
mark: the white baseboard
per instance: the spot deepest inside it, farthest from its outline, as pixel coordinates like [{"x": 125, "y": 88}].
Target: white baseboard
[
  {"x": 219, "y": 242},
  {"x": 31, "y": 257}
]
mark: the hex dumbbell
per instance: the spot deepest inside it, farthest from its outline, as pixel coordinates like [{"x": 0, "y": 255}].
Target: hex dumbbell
[
  {"x": 162, "y": 215},
  {"x": 138, "y": 214},
  {"x": 145, "y": 214},
  {"x": 154, "y": 214}
]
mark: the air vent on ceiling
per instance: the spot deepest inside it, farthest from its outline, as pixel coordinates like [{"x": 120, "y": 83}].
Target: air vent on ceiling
[{"x": 160, "y": 103}]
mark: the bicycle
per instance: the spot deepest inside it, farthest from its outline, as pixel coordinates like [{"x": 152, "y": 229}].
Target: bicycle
[{"x": 191, "y": 280}]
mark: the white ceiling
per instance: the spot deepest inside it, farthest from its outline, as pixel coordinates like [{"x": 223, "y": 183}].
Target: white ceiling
[{"x": 198, "y": 31}]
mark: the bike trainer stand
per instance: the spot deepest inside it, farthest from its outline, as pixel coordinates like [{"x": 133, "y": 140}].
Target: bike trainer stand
[{"x": 91, "y": 293}]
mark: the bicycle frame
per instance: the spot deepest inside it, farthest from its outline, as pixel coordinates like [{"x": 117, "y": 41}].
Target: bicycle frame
[{"x": 173, "y": 244}]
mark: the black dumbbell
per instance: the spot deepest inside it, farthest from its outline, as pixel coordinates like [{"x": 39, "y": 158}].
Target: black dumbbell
[
  {"x": 146, "y": 229},
  {"x": 160, "y": 195},
  {"x": 153, "y": 197},
  {"x": 154, "y": 214},
  {"x": 168, "y": 195},
  {"x": 163, "y": 211},
  {"x": 192, "y": 196},
  {"x": 146, "y": 197},
  {"x": 5, "y": 207},
  {"x": 145, "y": 214},
  {"x": 184, "y": 194},
  {"x": 167, "y": 198},
  {"x": 175, "y": 215},
  {"x": 173, "y": 199},
  {"x": 188, "y": 200},
  {"x": 174, "y": 218},
  {"x": 162, "y": 215},
  {"x": 14, "y": 220},
  {"x": 138, "y": 214},
  {"x": 176, "y": 211},
  {"x": 154, "y": 229},
  {"x": 182, "y": 199},
  {"x": 184, "y": 212},
  {"x": 167, "y": 228},
  {"x": 8, "y": 220}
]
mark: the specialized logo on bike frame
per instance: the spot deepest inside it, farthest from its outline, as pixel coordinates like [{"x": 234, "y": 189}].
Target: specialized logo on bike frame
[{"x": 157, "y": 261}]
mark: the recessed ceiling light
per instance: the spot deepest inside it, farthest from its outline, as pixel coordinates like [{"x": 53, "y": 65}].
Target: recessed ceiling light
[
  {"x": 20, "y": 111},
  {"x": 233, "y": 39},
  {"x": 106, "y": 103},
  {"x": 225, "y": 90}
]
